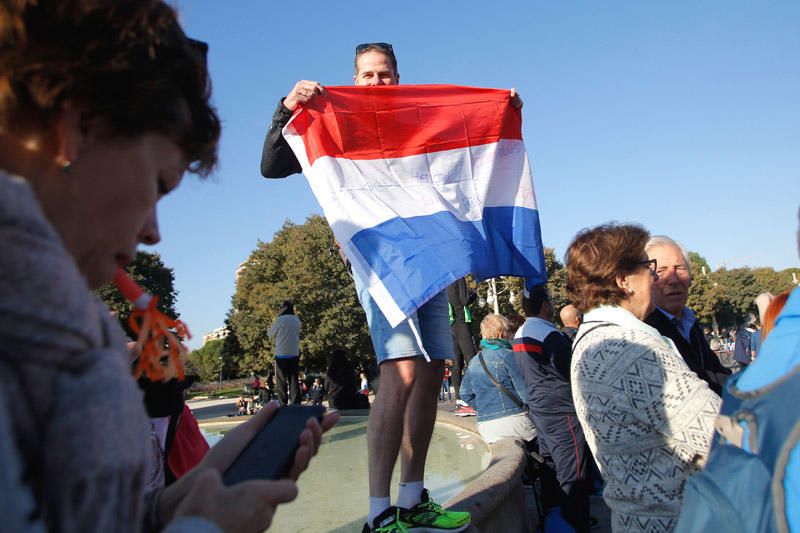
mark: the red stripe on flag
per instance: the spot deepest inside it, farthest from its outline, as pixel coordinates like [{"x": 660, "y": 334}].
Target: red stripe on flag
[
  {"x": 531, "y": 348},
  {"x": 403, "y": 120}
]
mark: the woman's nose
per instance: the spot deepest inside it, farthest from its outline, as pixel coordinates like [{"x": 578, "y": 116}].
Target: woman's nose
[{"x": 149, "y": 234}]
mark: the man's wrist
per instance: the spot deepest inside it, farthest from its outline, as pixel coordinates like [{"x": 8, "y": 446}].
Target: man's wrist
[
  {"x": 282, "y": 115},
  {"x": 291, "y": 106}
]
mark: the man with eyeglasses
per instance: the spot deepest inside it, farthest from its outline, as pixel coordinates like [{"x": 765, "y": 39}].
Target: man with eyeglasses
[
  {"x": 676, "y": 321},
  {"x": 404, "y": 411}
]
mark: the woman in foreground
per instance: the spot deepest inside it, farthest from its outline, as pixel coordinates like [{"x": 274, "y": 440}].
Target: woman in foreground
[
  {"x": 103, "y": 106},
  {"x": 647, "y": 417}
]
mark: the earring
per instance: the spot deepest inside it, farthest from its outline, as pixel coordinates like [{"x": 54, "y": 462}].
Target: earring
[
  {"x": 628, "y": 289},
  {"x": 66, "y": 165}
]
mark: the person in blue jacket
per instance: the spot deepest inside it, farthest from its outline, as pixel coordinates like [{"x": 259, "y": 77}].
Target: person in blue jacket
[
  {"x": 751, "y": 481},
  {"x": 499, "y": 414}
]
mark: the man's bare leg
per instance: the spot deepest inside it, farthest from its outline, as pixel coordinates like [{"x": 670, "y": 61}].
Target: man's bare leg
[
  {"x": 419, "y": 419},
  {"x": 386, "y": 422}
]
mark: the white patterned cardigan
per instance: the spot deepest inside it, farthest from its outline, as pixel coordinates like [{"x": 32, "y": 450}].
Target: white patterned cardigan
[{"x": 647, "y": 417}]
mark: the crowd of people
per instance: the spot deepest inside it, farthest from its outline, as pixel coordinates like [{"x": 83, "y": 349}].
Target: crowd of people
[
  {"x": 624, "y": 394},
  {"x": 103, "y": 107},
  {"x": 630, "y": 384}
]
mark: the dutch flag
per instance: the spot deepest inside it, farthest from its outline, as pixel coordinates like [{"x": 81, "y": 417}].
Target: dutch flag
[{"x": 421, "y": 185}]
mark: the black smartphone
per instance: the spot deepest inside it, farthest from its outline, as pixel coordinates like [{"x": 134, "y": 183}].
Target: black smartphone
[{"x": 270, "y": 454}]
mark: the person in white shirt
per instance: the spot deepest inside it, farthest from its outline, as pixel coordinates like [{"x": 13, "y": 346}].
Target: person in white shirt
[{"x": 285, "y": 336}]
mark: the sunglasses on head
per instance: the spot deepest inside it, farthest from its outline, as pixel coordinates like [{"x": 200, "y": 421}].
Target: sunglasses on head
[
  {"x": 383, "y": 47},
  {"x": 199, "y": 46}
]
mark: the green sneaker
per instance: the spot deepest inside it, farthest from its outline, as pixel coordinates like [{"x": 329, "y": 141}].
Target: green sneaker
[
  {"x": 389, "y": 521},
  {"x": 429, "y": 516}
]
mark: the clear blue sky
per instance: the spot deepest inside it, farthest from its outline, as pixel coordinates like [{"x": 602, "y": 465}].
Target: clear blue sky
[{"x": 682, "y": 116}]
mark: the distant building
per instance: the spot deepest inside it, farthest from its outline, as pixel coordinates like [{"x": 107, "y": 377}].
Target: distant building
[
  {"x": 219, "y": 333},
  {"x": 242, "y": 268}
]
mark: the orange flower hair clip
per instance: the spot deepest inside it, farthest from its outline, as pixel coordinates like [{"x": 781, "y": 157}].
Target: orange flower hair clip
[{"x": 159, "y": 335}]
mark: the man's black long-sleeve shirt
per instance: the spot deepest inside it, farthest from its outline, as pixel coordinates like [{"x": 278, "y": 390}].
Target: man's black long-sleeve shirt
[{"x": 277, "y": 158}]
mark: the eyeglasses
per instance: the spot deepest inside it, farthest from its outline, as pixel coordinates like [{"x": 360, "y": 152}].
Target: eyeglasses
[
  {"x": 651, "y": 264},
  {"x": 386, "y": 48},
  {"x": 681, "y": 271}
]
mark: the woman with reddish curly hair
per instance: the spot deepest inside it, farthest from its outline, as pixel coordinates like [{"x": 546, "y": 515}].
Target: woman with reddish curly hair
[
  {"x": 103, "y": 106},
  {"x": 771, "y": 314},
  {"x": 647, "y": 417}
]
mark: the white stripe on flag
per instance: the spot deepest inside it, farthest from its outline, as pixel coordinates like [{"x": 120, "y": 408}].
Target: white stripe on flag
[
  {"x": 394, "y": 315},
  {"x": 452, "y": 180}
]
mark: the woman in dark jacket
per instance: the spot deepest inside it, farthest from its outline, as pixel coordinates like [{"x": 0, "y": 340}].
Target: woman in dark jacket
[{"x": 341, "y": 384}]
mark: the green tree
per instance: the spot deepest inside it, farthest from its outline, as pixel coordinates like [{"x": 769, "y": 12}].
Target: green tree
[
  {"x": 207, "y": 361},
  {"x": 301, "y": 264},
  {"x": 793, "y": 275},
  {"x": 705, "y": 295},
  {"x": 556, "y": 282},
  {"x": 738, "y": 290},
  {"x": 699, "y": 264},
  {"x": 775, "y": 282},
  {"x": 729, "y": 295},
  {"x": 149, "y": 271},
  {"x": 233, "y": 353}
]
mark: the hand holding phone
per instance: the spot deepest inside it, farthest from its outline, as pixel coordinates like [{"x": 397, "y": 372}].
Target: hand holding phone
[
  {"x": 230, "y": 507},
  {"x": 270, "y": 454}
]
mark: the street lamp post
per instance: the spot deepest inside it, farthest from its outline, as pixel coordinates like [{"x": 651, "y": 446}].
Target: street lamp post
[
  {"x": 220, "y": 373},
  {"x": 495, "y": 301},
  {"x": 492, "y": 294}
]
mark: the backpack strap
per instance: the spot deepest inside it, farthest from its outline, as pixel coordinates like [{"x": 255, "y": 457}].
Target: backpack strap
[
  {"x": 522, "y": 405},
  {"x": 598, "y": 325}
]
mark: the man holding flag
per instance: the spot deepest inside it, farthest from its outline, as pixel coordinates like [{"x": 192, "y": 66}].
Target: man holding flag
[{"x": 412, "y": 344}]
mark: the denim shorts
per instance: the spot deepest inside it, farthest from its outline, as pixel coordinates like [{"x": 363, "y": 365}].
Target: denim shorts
[{"x": 432, "y": 320}]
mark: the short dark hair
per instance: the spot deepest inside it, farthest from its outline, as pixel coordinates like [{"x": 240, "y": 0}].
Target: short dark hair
[
  {"x": 384, "y": 48},
  {"x": 126, "y": 61},
  {"x": 286, "y": 308},
  {"x": 596, "y": 256},
  {"x": 532, "y": 304}
]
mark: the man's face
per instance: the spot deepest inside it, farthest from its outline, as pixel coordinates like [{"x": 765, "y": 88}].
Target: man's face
[
  {"x": 671, "y": 290},
  {"x": 375, "y": 68}
]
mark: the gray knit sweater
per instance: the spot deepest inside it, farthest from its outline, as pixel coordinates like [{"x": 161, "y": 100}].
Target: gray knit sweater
[
  {"x": 75, "y": 452},
  {"x": 647, "y": 417}
]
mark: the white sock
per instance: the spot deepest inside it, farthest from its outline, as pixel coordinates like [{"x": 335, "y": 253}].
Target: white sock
[
  {"x": 410, "y": 494},
  {"x": 376, "y": 507}
]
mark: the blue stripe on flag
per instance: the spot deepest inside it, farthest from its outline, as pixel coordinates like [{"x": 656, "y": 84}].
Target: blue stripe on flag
[{"x": 417, "y": 257}]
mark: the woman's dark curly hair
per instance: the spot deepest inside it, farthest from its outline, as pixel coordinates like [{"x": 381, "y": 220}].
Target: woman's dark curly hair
[
  {"x": 596, "y": 256},
  {"x": 126, "y": 61}
]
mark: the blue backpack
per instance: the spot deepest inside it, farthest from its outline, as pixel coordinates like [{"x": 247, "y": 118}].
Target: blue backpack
[{"x": 741, "y": 486}]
